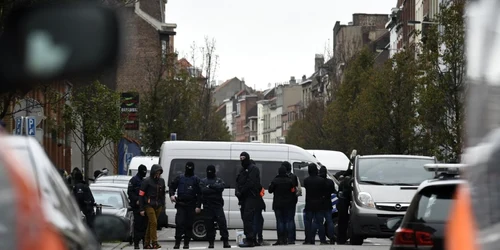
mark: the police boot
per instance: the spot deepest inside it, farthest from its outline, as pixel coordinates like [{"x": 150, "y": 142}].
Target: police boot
[
  {"x": 211, "y": 244},
  {"x": 248, "y": 243},
  {"x": 186, "y": 243},
  {"x": 225, "y": 243},
  {"x": 177, "y": 243}
]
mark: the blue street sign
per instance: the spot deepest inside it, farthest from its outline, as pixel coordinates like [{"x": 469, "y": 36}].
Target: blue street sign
[
  {"x": 19, "y": 125},
  {"x": 128, "y": 158},
  {"x": 31, "y": 126},
  {"x": 173, "y": 136}
]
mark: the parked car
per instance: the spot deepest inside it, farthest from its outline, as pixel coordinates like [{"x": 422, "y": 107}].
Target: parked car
[
  {"x": 117, "y": 181},
  {"x": 58, "y": 204},
  {"x": 124, "y": 179},
  {"x": 114, "y": 201},
  {"x": 423, "y": 226},
  {"x": 147, "y": 161}
]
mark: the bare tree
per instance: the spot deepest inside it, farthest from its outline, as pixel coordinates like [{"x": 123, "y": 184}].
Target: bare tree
[{"x": 208, "y": 64}]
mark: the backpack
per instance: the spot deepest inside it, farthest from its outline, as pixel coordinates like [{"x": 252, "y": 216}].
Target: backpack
[{"x": 187, "y": 186}]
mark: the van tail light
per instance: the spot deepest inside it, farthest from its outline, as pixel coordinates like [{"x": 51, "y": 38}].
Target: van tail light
[{"x": 409, "y": 237}]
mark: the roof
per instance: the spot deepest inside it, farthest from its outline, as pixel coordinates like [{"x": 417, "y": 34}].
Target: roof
[
  {"x": 184, "y": 63},
  {"x": 396, "y": 156},
  {"x": 220, "y": 107},
  {"x": 225, "y": 83}
]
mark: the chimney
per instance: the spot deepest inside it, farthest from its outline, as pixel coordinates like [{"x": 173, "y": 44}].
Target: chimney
[
  {"x": 292, "y": 80},
  {"x": 304, "y": 78},
  {"x": 319, "y": 60}
]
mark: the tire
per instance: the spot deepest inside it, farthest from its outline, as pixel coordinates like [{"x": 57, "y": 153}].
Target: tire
[{"x": 199, "y": 229}]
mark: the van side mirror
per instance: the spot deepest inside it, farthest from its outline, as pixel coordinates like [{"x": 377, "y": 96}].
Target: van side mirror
[
  {"x": 394, "y": 223},
  {"x": 46, "y": 42},
  {"x": 110, "y": 228}
]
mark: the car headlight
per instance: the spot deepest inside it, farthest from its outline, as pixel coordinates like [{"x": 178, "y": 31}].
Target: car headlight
[{"x": 366, "y": 200}]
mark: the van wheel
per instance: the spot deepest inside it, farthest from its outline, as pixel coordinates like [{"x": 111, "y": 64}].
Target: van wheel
[{"x": 199, "y": 229}]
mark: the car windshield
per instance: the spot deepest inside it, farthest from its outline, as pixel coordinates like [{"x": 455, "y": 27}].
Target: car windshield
[
  {"x": 433, "y": 204},
  {"x": 393, "y": 171},
  {"x": 108, "y": 198}
]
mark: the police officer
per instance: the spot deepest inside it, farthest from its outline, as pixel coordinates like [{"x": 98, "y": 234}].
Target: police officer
[
  {"x": 140, "y": 222},
  {"x": 298, "y": 192},
  {"x": 328, "y": 229},
  {"x": 84, "y": 198},
  {"x": 344, "y": 201},
  {"x": 187, "y": 203},
  {"x": 248, "y": 190},
  {"x": 213, "y": 206}
]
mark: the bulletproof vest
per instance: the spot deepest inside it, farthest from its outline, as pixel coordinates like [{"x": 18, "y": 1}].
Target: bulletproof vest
[
  {"x": 186, "y": 187},
  {"x": 345, "y": 189},
  {"x": 82, "y": 197}
]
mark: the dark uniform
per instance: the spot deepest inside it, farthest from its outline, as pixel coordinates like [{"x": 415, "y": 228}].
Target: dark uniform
[
  {"x": 84, "y": 198},
  {"x": 328, "y": 207},
  {"x": 298, "y": 192},
  {"x": 188, "y": 198},
  {"x": 248, "y": 189},
  {"x": 152, "y": 201},
  {"x": 140, "y": 222},
  {"x": 315, "y": 189},
  {"x": 213, "y": 206},
  {"x": 344, "y": 201},
  {"x": 284, "y": 197}
]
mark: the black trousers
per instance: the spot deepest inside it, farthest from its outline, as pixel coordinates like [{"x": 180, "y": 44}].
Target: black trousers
[
  {"x": 247, "y": 210},
  {"x": 213, "y": 215},
  {"x": 343, "y": 220},
  {"x": 140, "y": 225},
  {"x": 184, "y": 219}
]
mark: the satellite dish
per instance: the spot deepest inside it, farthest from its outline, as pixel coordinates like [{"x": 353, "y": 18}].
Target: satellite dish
[{"x": 29, "y": 107}]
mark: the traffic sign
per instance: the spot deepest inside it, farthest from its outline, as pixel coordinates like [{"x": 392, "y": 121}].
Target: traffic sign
[
  {"x": 173, "y": 136},
  {"x": 31, "y": 126},
  {"x": 128, "y": 158},
  {"x": 19, "y": 126}
]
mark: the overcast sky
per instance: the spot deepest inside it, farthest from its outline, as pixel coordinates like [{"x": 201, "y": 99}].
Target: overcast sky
[{"x": 264, "y": 41}]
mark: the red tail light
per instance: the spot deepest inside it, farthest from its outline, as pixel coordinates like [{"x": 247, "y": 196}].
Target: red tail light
[{"x": 409, "y": 237}]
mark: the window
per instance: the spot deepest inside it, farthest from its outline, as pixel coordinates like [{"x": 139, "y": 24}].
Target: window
[
  {"x": 225, "y": 169},
  {"x": 108, "y": 198},
  {"x": 432, "y": 204},
  {"x": 238, "y": 109},
  {"x": 268, "y": 170},
  {"x": 301, "y": 171},
  {"x": 393, "y": 170},
  {"x": 164, "y": 49}
]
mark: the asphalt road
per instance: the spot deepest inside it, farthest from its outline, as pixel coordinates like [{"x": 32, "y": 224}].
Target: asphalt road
[{"x": 166, "y": 239}]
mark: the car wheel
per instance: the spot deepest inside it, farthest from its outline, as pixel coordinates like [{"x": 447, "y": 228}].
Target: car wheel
[
  {"x": 354, "y": 239},
  {"x": 199, "y": 229}
]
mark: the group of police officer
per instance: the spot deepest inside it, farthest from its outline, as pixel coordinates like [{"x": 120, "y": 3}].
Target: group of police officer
[{"x": 190, "y": 193}]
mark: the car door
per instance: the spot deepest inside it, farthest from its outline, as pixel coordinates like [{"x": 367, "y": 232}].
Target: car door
[{"x": 64, "y": 211}]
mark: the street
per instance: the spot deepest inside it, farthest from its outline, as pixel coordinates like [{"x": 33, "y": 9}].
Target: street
[{"x": 166, "y": 239}]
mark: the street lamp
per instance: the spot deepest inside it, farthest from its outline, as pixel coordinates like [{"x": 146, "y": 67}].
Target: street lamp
[{"x": 413, "y": 22}]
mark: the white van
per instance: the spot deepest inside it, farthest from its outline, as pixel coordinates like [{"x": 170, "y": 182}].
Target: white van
[
  {"x": 136, "y": 161},
  {"x": 383, "y": 188},
  {"x": 334, "y": 161},
  {"x": 225, "y": 156}
]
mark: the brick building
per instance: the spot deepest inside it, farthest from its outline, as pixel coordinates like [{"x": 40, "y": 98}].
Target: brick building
[
  {"x": 246, "y": 118},
  {"x": 57, "y": 143}
]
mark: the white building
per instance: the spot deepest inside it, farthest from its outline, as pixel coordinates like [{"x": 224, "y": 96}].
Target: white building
[
  {"x": 394, "y": 27},
  {"x": 229, "y": 115},
  {"x": 260, "y": 121}
]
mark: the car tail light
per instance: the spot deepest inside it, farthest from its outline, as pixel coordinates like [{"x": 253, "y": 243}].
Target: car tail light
[{"x": 409, "y": 237}]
